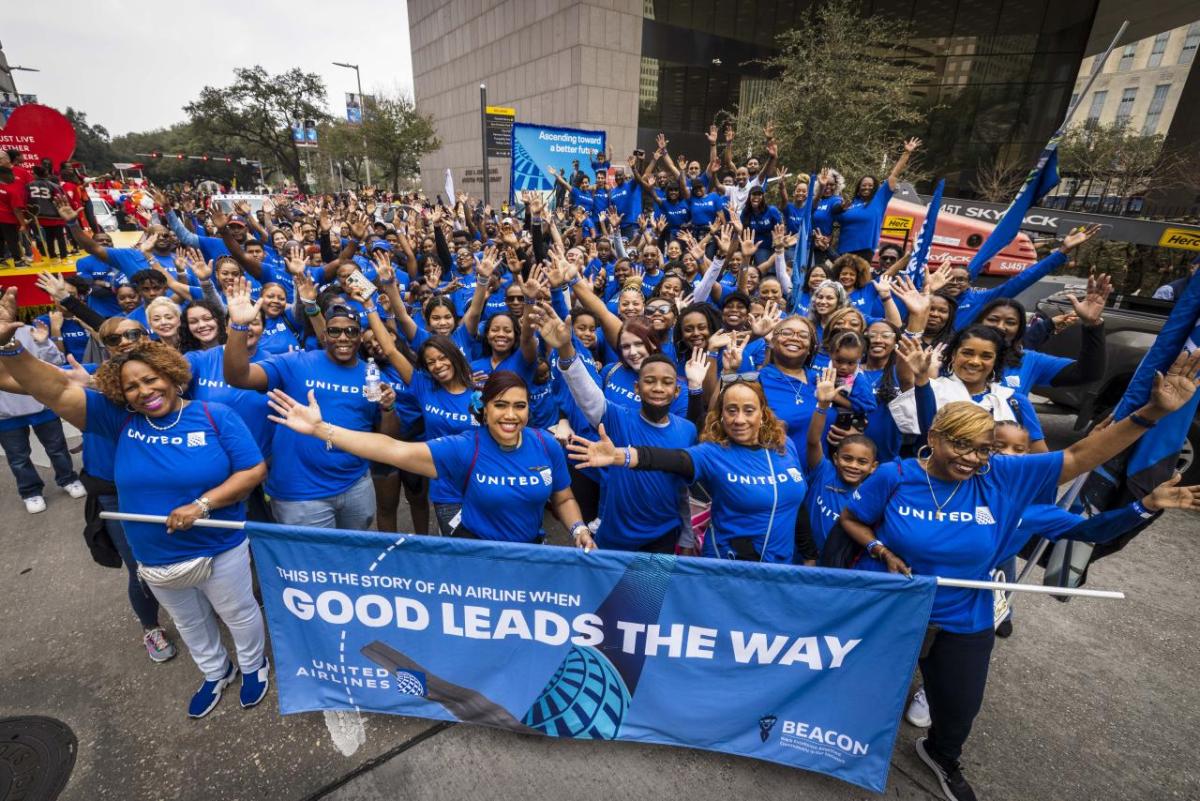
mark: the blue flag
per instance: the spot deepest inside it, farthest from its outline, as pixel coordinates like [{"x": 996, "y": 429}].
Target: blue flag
[
  {"x": 808, "y": 668},
  {"x": 801, "y": 255},
  {"x": 1041, "y": 180},
  {"x": 1154, "y": 456},
  {"x": 920, "y": 256}
]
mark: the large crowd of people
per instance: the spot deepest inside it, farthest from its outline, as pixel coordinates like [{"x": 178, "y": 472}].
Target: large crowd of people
[{"x": 673, "y": 336}]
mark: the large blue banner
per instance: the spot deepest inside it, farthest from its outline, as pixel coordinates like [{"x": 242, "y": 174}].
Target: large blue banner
[
  {"x": 536, "y": 147},
  {"x": 807, "y": 667}
]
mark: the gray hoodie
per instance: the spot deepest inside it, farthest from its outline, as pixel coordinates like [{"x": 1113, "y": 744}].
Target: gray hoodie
[{"x": 13, "y": 405}]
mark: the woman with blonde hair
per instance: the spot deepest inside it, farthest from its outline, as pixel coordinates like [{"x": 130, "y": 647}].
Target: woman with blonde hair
[
  {"x": 747, "y": 463},
  {"x": 164, "y": 319},
  {"x": 954, "y": 511}
]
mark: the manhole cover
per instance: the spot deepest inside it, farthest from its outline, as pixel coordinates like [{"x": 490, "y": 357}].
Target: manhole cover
[{"x": 36, "y": 758}]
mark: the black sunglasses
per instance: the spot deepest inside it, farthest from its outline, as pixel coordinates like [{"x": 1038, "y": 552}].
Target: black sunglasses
[
  {"x": 132, "y": 335},
  {"x": 336, "y": 331}
]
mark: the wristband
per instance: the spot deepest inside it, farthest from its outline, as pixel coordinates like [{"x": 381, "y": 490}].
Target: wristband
[
  {"x": 312, "y": 311},
  {"x": 56, "y": 339},
  {"x": 1145, "y": 513},
  {"x": 822, "y": 410},
  {"x": 239, "y": 327},
  {"x": 695, "y": 391},
  {"x": 912, "y": 335},
  {"x": 574, "y": 281},
  {"x": 628, "y": 456},
  {"x": 564, "y": 364},
  {"x": 1138, "y": 420},
  {"x": 13, "y": 348},
  {"x": 372, "y": 309},
  {"x": 871, "y": 548},
  {"x": 579, "y": 524},
  {"x": 205, "y": 506},
  {"x": 389, "y": 282}
]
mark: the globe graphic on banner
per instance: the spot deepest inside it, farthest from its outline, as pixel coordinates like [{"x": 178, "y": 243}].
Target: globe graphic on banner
[{"x": 586, "y": 698}]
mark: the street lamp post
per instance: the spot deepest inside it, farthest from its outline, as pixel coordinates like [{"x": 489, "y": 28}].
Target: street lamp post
[
  {"x": 9, "y": 69},
  {"x": 362, "y": 113}
]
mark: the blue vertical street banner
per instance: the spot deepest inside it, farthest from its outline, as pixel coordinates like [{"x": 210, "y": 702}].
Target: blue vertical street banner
[
  {"x": 920, "y": 256},
  {"x": 536, "y": 147},
  {"x": 807, "y": 667},
  {"x": 1040, "y": 180}
]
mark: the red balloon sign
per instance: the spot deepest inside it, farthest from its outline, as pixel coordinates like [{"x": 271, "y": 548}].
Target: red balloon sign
[{"x": 39, "y": 132}]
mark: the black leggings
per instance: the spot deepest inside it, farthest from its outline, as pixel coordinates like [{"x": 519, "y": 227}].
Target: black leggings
[
  {"x": 955, "y": 672},
  {"x": 56, "y": 240},
  {"x": 11, "y": 234}
]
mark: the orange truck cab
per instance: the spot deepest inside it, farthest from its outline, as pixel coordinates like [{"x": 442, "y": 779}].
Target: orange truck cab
[{"x": 956, "y": 235}]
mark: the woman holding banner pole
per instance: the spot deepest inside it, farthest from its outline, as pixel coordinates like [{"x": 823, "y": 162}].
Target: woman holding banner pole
[
  {"x": 506, "y": 470},
  {"x": 954, "y": 512}
]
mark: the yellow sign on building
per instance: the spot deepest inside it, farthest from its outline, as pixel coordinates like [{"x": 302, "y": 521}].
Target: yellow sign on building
[{"x": 1188, "y": 239}]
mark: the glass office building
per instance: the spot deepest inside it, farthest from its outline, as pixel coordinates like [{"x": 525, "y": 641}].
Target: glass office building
[{"x": 1000, "y": 72}]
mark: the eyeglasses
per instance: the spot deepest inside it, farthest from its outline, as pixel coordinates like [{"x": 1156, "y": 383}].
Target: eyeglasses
[
  {"x": 883, "y": 335},
  {"x": 337, "y": 332},
  {"x": 657, "y": 309},
  {"x": 791, "y": 333},
  {"x": 132, "y": 335},
  {"x": 962, "y": 447},
  {"x": 959, "y": 279},
  {"x": 733, "y": 378}
]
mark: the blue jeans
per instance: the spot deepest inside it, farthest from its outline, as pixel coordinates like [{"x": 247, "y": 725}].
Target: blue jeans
[
  {"x": 16, "y": 450},
  {"x": 144, "y": 604},
  {"x": 353, "y": 509}
]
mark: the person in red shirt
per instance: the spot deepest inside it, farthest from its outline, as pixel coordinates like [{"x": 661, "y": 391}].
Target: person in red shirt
[
  {"x": 72, "y": 188},
  {"x": 12, "y": 204}
]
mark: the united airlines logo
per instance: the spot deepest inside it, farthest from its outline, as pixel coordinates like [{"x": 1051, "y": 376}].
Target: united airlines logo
[
  {"x": 411, "y": 682},
  {"x": 983, "y": 516},
  {"x": 195, "y": 439},
  {"x": 765, "y": 724}
]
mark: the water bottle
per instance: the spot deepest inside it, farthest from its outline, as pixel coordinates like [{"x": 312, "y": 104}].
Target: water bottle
[{"x": 372, "y": 389}]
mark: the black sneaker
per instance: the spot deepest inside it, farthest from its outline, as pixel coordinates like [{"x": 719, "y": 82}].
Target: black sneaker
[
  {"x": 954, "y": 786},
  {"x": 1004, "y": 630}
]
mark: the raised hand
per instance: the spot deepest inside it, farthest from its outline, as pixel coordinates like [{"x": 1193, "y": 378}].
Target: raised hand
[
  {"x": 747, "y": 244},
  {"x": 203, "y": 270},
  {"x": 916, "y": 357},
  {"x": 732, "y": 358},
  {"x": 1078, "y": 237},
  {"x": 1169, "y": 495},
  {"x": 711, "y": 136},
  {"x": 63, "y": 206},
  {"x": 937, "y": 276},
  {"x": 916, "y": 300},
  {"x": 10, "y": 320},
  {"x": 696, "y": 368},
  {"x": 383, "y": 267},
  {"x": 762, "y": 324},
  {"x": 1090, "y": 309},
  {"x": 883, "y": 288},
  {"x": 719, "y": 340},
  {"x": 554, "y": 330},
  {"x": 298, "y": 417},
  {"x": 53, "y": 285},
  {"x": 242, "y": 310},
  {"x": 1173, "y": 390},
  {"x": 826, "y": 388},
  {"x": 599, "y": 453},
  {"x": 912, "y": 144},
  {"x": 40, "y": 332},
  {"x": 219, "y": 218}
]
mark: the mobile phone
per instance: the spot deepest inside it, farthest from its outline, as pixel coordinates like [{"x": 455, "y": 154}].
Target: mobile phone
[
  {"x": 359, "y": 281},
  {"x": 847, "y": 420}
]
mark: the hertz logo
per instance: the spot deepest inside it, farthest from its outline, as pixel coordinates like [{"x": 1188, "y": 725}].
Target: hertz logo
[{"x": 1180, "y": 238}]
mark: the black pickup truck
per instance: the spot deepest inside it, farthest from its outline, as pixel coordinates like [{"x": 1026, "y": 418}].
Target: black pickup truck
[{"x": 1131, "y": 325}]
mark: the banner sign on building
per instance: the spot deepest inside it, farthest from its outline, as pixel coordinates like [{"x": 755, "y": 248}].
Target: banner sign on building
[
  {"x": 536, "y": 147},
  {"x": 498, "y": 123},
  {"x": 806, "y": 667}
]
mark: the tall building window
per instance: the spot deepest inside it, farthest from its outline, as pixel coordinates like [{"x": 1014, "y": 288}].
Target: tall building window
[
  {"x": 1159, "y": 47},
  {"x": 1190, "y": 43},
  {"x": 1125, "y": 109},
  {"x": 1126, "y": 63},
  {"x": 1098, "y": 100},
  {"x": 1156, "y": 108}
]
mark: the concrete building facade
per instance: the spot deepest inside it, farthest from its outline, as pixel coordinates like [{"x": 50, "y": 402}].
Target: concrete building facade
[{"x": 557, "y": 62}]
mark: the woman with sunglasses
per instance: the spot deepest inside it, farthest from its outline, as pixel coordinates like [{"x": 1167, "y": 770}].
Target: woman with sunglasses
[
  {"x": 507, "y": 471},
  {"x": 747, "y": 463},
  {"x": 307, "y": 485},
  {"x": 955, "y": 512}
]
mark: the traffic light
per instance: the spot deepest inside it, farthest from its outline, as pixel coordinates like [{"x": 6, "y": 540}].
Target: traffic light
[
  {"x": 155, "y": 154},
  {"x": 180, "y": 157},
  {"x": 228, "y": 160},
  {"x": 204, "y": 157}
]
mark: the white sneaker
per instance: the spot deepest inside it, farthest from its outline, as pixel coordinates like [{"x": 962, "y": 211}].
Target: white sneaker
[
  {"x": 918, "y": 710},
  {"x": 35, "y": 504},
  {"x": 76, "y": 490}
]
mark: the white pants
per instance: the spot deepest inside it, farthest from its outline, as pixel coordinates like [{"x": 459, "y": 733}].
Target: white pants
[{"x": 228, "y": 593}]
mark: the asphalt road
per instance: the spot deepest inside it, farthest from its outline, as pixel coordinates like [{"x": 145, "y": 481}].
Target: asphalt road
[{"x": 1088, "y": 700}]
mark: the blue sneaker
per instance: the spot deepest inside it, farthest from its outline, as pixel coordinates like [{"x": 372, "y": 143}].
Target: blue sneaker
[
  {"x": 254, "y": 685},
  {"x": 209, "y": 695}
]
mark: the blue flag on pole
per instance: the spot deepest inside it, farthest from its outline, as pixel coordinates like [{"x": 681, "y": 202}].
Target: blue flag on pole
[
  {"x": 920, "y": 256},
  {"x": 801, "y": 254},
  {"x": 808, "y": 668},
  {"x": 1041, "y": 180},
  {"x": 1155, "y": 454}
]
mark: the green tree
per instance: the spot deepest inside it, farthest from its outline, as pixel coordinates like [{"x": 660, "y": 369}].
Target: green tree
[
  {"x": 1116, "y": 161},
  {"x": 92, "y": 142},
  {"x": 397, "y": 137},
  {"x": 256, "y": 110},
  {"x": 843, "y": 90}
]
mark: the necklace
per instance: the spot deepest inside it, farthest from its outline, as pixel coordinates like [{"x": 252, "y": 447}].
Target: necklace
[
  {"x": 178, "y": 415},
  {"x": 797, "y": 386},
  {"x": 932, "y": 494}
]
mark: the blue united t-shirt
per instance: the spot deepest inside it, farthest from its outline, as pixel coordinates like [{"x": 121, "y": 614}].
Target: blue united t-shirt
[
  {"x": 827, "y": 496},
  {"x": 756, "y": 493},
  {"x": 1036, "y": 370},
  {"x": 976, "y": 529},
  {"x": 445, "y": 414},
  {"x": 504, "y": 492},
  {"x": 75, "y": 337},
  {"x": 208, "y": 384},
  {"x": 640, "y": 506},
  {"x": 862, "y": 222},
  {"x": 302, "y": 468},
  {"x": 158, "y": 471}
]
